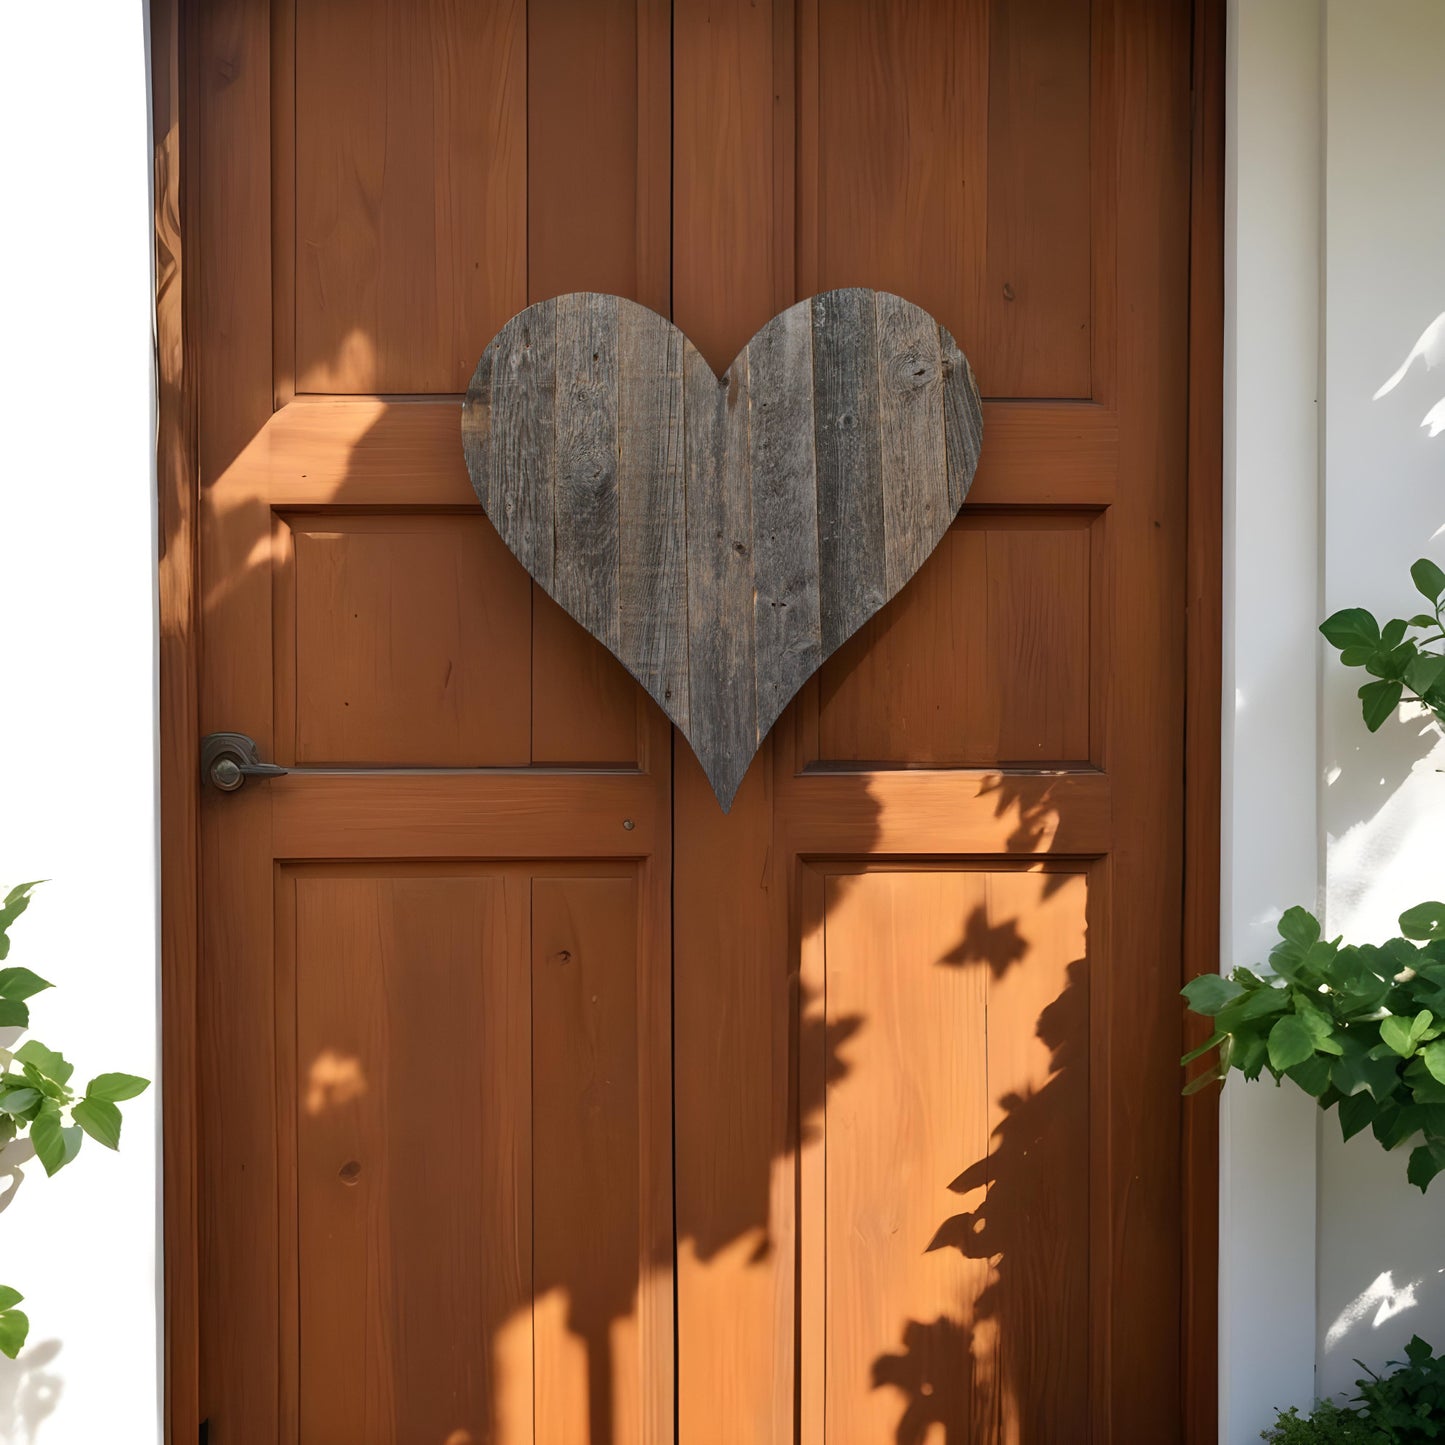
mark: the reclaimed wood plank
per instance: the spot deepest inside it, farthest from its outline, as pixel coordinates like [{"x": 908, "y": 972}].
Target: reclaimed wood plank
[
  {"x": 962, "y": 419},
  {"x": 787, "y": 627},
  {"x": 651, "y": 508},
  {"x": 910, "y": 434},
  {"x": 721, "y": 643},
  {"x": 477, "y": 425},
  {"x": 523, "y": 459},
  {"x": 584, "y": 499},
  {"x": 852, "y": 580}
]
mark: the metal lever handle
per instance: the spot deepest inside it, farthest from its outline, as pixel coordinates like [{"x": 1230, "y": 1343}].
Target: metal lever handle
[{"x": 228, "y": 759}]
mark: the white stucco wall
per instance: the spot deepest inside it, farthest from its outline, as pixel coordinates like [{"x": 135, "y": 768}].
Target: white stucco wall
[
  {"x": 1336, "y": 243},
  {"x": 1271, "y": 569},
  {"x": 77, "y": 718},
  {"x": 1381, "y": 1274}
]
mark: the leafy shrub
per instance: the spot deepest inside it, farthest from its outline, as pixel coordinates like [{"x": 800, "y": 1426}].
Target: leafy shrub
[
  {"x": 1402, "y": 1407},
  {"x": 1403, "y": 656},
  {"x": 1326, "y": 1424},
  {"x": 36, "y": 1097},
  {"x": 1361, "y": 1027}
]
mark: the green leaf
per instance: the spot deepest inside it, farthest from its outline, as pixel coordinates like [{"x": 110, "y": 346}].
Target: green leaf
[
  {"x": 55, "y": 1145},
  {"x": 17, "y": 1101},
  {"x": 48, "y": 1087},
  {"x": 100, "y": 1120},
  {"x": 17, "y": 900},
  {"x": 1209, "y": 993},
  {"x": 1351, "y": 627},
  {"x": 1393, "y": 632},
  {"x": 14, "y": 1014},
  {"x": 50, "y": 1063},
  {"x": 1424, "y": 619},
  {"x": 1424, "y": 673},
  {"x": 1433, "y": 1056},
  {"x": 1212, "y": 1042},
  {"x": 1320, "y": 1026},
  {"x": 1429, "y": 580},
  {"x": 1425, "y": 921},
  {"x": 1311, "y": 1074},
  {"x": 1379, "y": 701},
  {"x": 1426, "y": 1162},
  {"x": 14, "y": 1326},
  {"x": 1249, "y": 1054},
  {"x": 113, "y": 1088},
  {"x": 1358, "y": 656},
  {"x": 21, "y": 983},
  {"x": 1396, "y": 1033},
  {"x": 1355, "y": 1114},
  {"x": 9, "y": 1297},
  {"x": 1299, "y": 926},
  {"x": 1289, "y": 1043},
  {"x": 1394, "y": 662}
]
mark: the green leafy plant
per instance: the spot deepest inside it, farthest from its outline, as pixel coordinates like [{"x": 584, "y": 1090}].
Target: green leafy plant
[
  {"x": 1361, "y": 1027},
  {"x": 1402, "y": 1407},
  {"x": 1404, "y": 656},
  {"x": 36, "y": 1098}
]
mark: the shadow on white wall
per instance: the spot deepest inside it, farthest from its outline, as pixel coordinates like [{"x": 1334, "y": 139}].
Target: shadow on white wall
[
  {"x": 29, "y": 1392},
  {"x": 1430, "y": 348},
  {"x": 1381, "y": 1266}
]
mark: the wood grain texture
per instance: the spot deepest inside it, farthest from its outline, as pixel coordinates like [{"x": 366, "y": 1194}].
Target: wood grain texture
[
  {"x": 584, "y": 487},
  {"x": 415, "y": 1219},
  {"x": 651, "y": 505},
  {"x": 411, "y": 172},
  {"x": 853, "y": 572},
  {"x": 722, "y": 535},
  {"x": 586, "y": 1183},
  {"x": 456, "y": 694},
  {"x": 787, "y": 600},
  {"x": 414, "y": 221},
  {"x": 975, "y": 663}
]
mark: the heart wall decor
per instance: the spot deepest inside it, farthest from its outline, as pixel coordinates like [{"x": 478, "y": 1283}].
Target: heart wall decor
[{"x": 722, "y": 536}]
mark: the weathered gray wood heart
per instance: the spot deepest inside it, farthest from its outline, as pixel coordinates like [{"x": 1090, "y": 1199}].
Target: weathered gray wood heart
[{"x": 722, "y": 536}]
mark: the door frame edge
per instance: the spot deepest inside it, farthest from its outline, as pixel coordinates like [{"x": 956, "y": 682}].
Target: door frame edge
[
  {"x": 177, "y": 484},
  {"x": 1203, "y": 729}
]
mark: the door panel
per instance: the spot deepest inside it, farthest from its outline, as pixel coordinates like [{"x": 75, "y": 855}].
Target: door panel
[
  {"x": 1022, "y": 171},
  {"x": 943, "y": 1209},
  {"x": 952, "y": 157},
  {"x": 398, "y": 643},
  {"x": 540, "y": 1100},
  {"x": 410, "y": 164},
  {"x": 436, "y": 1198},
  {"x": 976, "y": 663},
  {"x": 411, "y": 1121}
]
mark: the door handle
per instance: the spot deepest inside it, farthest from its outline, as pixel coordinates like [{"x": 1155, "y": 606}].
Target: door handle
[{"x": 228, "y": 759}]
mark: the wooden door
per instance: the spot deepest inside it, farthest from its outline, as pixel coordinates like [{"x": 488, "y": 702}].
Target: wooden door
[{"x": 539, "y": 1100}]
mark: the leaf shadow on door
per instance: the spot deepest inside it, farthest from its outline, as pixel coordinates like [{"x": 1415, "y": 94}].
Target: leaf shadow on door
[{"x": 1011, "y": 1364}]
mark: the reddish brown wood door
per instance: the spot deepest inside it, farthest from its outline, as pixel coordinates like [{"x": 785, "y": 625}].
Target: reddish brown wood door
[{"x": 539, "y": 1100}]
